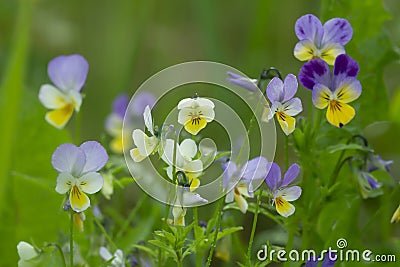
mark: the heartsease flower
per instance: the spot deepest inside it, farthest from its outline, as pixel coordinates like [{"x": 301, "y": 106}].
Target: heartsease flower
[
  {"x": 254, "y": 169},
  {"x": 282, "y": 193},
  {"x": 117, "y": 258},
  {"x": 283, "y": 105},
  {"x": 68, "y": 73},
  {"x": 114, "y": 122},
  {"x": 78, "y": 171},
  {"x": 242, "y": 81},
  {"x": 333, "y": 92},
  {"x": 185, "y": 154},
  {"x": 185, "y": 198},
  {"x": 329, "y": 260},
  {"x": 195, "y": 113},
  {"x": 317, "y": 41},
  {"x": 145, "y": 145}
]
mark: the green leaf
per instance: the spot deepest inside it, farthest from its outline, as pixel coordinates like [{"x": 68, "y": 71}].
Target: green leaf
[
  {"x": 341, "y": 147},
  {"x": 228, "y": 231}
]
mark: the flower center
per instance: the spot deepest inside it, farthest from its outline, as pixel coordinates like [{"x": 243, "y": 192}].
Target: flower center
[
  {"x": 281, "y": 115},
  {"x": 75, "y": 192},
  {"x": 335, "y": 105},
  {"x": 279, "y": 201},
  {"x": 195, "y": 117}
]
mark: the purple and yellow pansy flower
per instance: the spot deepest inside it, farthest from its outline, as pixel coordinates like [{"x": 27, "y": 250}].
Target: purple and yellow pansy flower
[
  {"x": 283, "y": 105},
  {"x": 321, "y": 41},
  {"x": 333, "y": 92},
  {"x": 282, "y": 193},
  {"x": 68, "y": 73}
]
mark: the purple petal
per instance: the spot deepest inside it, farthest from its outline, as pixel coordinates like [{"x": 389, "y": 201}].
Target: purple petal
[
  {"x": 69, "y": 158},
  {"x": 140, "y": 101},
  {"x": 235, "y": 75},
  {"x": 68, "y": 72},
  {"x": 314, "y": 72},
  {"x": 313, "y": 262},
  {"x": 289, "y": 87},
  {"x": 242, "y": 81},
  {"x": 337, "y": 31},
  {"x": 345, "y": 66},
  {"x": 274, "y": 176},
  {"x": 309, "y": 27},
  {"x": 372, "y": 181},
  {"x": 275, "y": 90},
  {"x": 254, "y": 169},
  {"x": 290, "y": 174},
  {"x": 229, "y": 168},
  {"x": 96, "y": 156},
  {"x": 329, "y": 259},
  {"x": 120, "y": 105},
  {"x": 376, "y": 162}
]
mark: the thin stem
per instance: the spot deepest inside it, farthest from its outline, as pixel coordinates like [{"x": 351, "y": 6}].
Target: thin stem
[
  {"x": 104, "y": 232},
  {"x": 286, "y": 149},
  {"x": 57, "y": 246},
  {"x": 78, "y": 128},
  {"x": 131, "y": 216},
  {"x": 213, "y": 244},
  {"x": 71, "y": 239},
  {"x": 253, "y": 229}
]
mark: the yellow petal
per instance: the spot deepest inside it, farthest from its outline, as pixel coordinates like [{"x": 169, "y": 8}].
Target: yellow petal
[
  {"x": 283, "y": 207},
  {"x": 79, "y": 200},
  {"x": 194, "y": 182},
  {"x": 330, "y": 52},
  {"x": 79, "y": 217},
  {"x": 195, "y": 125},
  {"x": 339, "y": 114},
  {"x": 396, "y": 216},
  {"x": 288, "y": 123},
  {"x": 116, "y": 145},
  {"x": 305, "y": 50},
  {"x": 59, "y": 117}
]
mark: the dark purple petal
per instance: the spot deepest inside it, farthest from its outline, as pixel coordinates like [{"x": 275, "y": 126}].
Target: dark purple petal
[
  {"x": 313, "y": 262},
  {"x": 274, "y": 176},
  {"x": 254, "y": 169},
  {"x": 120, "y": 105},
  {"x": 329, "y": 259},
  {"x": 309, "y": 27},
  {"x": 314, "y": 72},
  {"x": 68, "y": 72},
  {"x": 290, "y": 174},
  {"x": 69, "y": 158},
  {"x": 96, "y": 156},
  {"x": 337, "y": 31},
  {"x": 140, "y": 101},
  {"x": 345, "y": 66}
]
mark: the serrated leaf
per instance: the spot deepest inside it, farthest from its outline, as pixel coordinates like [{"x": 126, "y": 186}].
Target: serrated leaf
[
  {"x": 228, "y": 231},
  {"x": 163, "y": 246}
]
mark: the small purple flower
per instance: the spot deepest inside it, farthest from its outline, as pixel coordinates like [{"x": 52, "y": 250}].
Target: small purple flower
[
  {"x": 375, "y": 162},
  {"x": 68, "y": 73},
  {"x": 78, "y": 171},
  {"x": 281, "y": 190},
  {"x": 329, "y": 260},
  {"x": 333, "y": 92},
  {"x": 242, "y": 81},
  {"x": 317, "y": 41},
  {"x": 283, "y": 105},
  {"x": 254, "y": 169},
  {"x": 140, "y": 101}
]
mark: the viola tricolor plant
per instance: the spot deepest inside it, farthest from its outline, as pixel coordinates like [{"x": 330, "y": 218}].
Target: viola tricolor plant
[{"x": 291, "y": 200}]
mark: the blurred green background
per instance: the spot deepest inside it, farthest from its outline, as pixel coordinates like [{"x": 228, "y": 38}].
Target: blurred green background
[{"x": 125, "y": 42}]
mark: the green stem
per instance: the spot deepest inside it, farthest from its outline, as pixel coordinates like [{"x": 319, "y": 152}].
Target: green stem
[
  {"x": 199, "y": 256},
  {"x": 286, "y": 151},
  {"x": 253, "y": 229},
  {"x": 104, "y": 232},
  {"x": 78, "y": 128},
  {"x": 71, "y": 239},
  {"x": 60, "y": 251},
  {"x": 131, "y": 216},
  {"x": 214, "y": 242}
]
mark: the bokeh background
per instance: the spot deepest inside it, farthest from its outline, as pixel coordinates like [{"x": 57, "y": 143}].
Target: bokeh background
[{"x": 125, "y": 42}]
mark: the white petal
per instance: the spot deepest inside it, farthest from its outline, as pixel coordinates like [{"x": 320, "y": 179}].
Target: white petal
[
  {"x": 136, "y": 156},
  {"x": 144, "y": 143},
  {"x": 52, "y": 98},
  {"x": 190, "y": 198},
  {"x": 168, "y": 153},
  {"x": 26, "y": 251},
  {"x": 188, "y": 148},
  {"x": 208, "y": 113},
  {"x": 148, "y": 120},
  {"x": 76, "y": 99},
  {"x": 184, "y": 115},
  {"x": 241, "y": 202},
  {"x": 91, "y": 182},
  {"x": 293, "y": 107},
  {"x": 119, "y": 258},
  {"x": 194, "y": 168},
  {"x": 96, "y": 156},
  {"x": 274, "y": 107},
  {"x": 105, "y": 254},
  {"x": 186, "y": 103},
  {"x": 204, "y": 102},
  {"x": 64, "y": 182},
  {"x": 229, "y": 196},
  {"x": 290, "y": 194}
]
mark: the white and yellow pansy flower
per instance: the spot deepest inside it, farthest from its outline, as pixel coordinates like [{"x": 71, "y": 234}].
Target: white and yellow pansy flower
[{"x": 195, "y": 113}]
